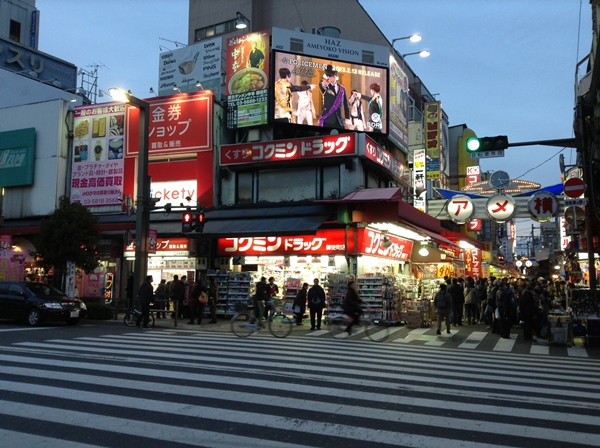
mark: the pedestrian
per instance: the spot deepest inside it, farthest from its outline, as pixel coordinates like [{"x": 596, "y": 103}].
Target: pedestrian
[
  {"x": 352, "y": 306},
  {"x": 457, "y": 293},
  {"x": 300, "y": 303},
  {"x": 527, "y": 310},
  {"x": 490, "y": 306},
  {"x": 196, "y": 305},
  {"x": 504, "y": 310},
  {"x": 213, "y": 297},
  {"x": 178, "y": 294},
  {"x": 260, "y": 298},
  {"x": 443, "y": 304},
  {"x": 273, "y": 291},
  {"x": 470, "y": 295},
  {"x": 145, "y": 296},
  {"x": 161, "y": 298},
  {"x": 316, "y": 303}
]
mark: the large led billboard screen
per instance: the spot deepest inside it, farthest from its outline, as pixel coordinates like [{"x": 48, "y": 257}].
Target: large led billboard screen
[{"x": 332, "y": 94}]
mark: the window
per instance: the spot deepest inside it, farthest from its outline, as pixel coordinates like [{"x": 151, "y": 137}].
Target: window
[
  {"x": 302, "y": 184},
  {"x": 244, "y": 188},
  {"x": 15, "y": 31},
  {"x": 214, "y": 30}
]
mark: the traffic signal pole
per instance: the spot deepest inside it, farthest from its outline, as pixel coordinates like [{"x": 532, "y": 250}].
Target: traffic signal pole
[{"x": 561, "y": 142}]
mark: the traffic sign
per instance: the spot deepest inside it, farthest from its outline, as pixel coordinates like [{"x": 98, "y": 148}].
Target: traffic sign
[{"x": 574, "y": 187}]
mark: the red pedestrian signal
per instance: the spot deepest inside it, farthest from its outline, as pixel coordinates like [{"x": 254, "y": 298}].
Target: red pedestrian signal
[
  {"x": 187, "y": 222},
  {"x": 200, "y": 223}
]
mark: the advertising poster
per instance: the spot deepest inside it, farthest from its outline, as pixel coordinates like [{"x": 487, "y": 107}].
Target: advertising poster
[
  {"x": 5, "y": 250},
  {"x": 399, "y": 102},
  {"x": 188, "y": 66},
  {"x": 98, "y": 154},
  {"x": 247, "y": 79},
  {"x": 330, "y": 94}
]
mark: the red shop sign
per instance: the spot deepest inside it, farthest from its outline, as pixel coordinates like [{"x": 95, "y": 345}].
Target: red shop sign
[
  {"x": 385, "y": 159},
  {"x": 165, "y": 245},
  {"x": 177, "y": 124},
  {"x": 293, "y": 149},
  {"x": 325, "y": 242},
  {"x": 370, "y": 240}
]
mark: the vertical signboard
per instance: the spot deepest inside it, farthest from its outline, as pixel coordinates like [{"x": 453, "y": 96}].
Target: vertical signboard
[
  {"x": 247, "y": 82},
  {"x": 473, "y": 266},
  {"x": 420, "y": 180},
  {"x": 184, "y": 68},
  {"x": 473, "y": 176},
  {"x": 433, "y": 138},
  {"x": 98, "y": 154},
  {"x": 398, "y": 100}
]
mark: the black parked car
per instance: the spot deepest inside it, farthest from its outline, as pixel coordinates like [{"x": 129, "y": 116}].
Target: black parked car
[{"x": 36, "y": 302}]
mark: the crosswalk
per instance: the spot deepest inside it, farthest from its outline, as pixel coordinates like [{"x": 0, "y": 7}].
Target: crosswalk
[
  {"x": 473, "y": 338},
  {"x": 176, "y": 388}
]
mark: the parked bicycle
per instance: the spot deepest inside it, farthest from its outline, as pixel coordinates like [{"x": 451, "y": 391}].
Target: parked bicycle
[
  {"x": 375, "y": 328},
  {"x": 243, "y": 324},
  {"x": 131, "y": 318}
]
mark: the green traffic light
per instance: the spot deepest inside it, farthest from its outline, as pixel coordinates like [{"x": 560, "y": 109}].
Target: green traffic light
[{"x": 473, "y": 144}]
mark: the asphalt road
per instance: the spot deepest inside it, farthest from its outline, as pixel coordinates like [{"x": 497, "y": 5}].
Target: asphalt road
[{"x": 106, "y": 385}]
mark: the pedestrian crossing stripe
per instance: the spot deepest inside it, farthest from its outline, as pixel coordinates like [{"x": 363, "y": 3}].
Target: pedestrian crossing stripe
[{"x": 215, "y": 387}]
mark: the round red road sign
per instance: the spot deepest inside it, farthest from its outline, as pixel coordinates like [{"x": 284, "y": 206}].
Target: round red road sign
[{"x": 574, "y": 187}]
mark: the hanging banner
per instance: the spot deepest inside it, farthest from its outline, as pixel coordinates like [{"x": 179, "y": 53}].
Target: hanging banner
[{"x": 433, "y": 138}]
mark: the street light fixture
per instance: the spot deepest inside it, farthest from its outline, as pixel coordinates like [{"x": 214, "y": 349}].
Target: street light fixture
[
  {"x": 143, "y": 203},
  {"x": 241, "y": 21},
  {"x": 422, "y": 53},
  {"x": 413, "y": 38}
]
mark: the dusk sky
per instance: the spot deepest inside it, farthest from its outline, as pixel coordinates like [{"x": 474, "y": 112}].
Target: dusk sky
[{"x": 503, "y": 67}]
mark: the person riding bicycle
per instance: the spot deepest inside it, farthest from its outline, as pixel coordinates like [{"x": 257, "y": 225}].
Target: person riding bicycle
[
  {"x": 352, "y": 306},
  {"x": 261, "y": 296}
]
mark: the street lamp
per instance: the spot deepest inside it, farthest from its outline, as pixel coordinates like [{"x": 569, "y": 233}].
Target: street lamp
[
  {"x": 413, "y": 38},
  {"x": 422, "y": 53},
  {"x": 142, "y": 213}
]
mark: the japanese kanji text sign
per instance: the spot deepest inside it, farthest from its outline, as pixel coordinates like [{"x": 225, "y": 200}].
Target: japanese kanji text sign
[
  {"x": 299, "y": 148},
  {"x": 543, "y": 206},
  {"x": 177, "y": 124}
]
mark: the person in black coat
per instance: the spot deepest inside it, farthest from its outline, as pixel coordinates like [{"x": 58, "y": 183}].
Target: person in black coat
[
  {"x": 300, "y": 302},
  {"x": 505, "y": 308},
  {"x": 197, "y": 307},
  {"x": 457, "y": 293},
  {"x": 352, "y": 305},
  {"x": 527, "y": 309},
  {"x": 316, "y": 303},
  {"x": 145, "y": 295}
]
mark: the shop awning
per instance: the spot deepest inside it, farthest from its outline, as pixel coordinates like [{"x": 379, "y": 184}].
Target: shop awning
[{"x": 434, "y": 236}]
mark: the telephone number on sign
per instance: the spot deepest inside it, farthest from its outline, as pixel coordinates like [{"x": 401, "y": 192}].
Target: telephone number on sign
[{"x": 99, "y": 201}]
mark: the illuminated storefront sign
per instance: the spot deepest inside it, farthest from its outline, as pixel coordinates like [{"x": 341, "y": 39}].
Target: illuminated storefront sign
[
  {"x": 293, "y": 149},
  {"x": 165, "y": 247},
  {"x": 325, "y": 242},
  {"x": 473, "y": 263},
  {"x": 177, "y": 124}
]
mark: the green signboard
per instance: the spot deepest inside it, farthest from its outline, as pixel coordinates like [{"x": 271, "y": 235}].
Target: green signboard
[{"x": 17, "y": 150}]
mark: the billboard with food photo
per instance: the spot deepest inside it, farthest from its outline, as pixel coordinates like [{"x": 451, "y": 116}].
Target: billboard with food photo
[
  {"x": 332, "y": 94},
  {"x": 246, "y": 80}
]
